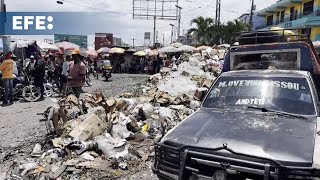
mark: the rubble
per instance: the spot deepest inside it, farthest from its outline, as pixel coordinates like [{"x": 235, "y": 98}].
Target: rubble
[{"x": 118, "y": 133}]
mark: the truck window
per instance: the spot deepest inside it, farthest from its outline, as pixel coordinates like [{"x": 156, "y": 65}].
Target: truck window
[
  {"x": 277, "y": 93},
  {"x": 265, "y": 60}
]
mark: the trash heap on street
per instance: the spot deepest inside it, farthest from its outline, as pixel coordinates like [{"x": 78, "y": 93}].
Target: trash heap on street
[{"x": 115, "y": 137}]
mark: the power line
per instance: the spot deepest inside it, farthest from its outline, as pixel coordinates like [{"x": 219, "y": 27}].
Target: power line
[
  {"x": 82, "y": 5},
  {"x": 191, "y": 10}
]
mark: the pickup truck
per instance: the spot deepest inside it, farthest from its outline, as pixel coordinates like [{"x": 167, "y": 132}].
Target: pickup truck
[
  {"x": 253, "y": 124},
  {"x": 259, "y": 120}
]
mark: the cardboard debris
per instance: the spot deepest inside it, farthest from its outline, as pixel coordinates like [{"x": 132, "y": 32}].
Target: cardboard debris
[
  {"x": 103, "y": 134},
  {"x": 97, "y": 164},
  {"x": 91, "y": 127},
  {"x": 200, "y": 93}
]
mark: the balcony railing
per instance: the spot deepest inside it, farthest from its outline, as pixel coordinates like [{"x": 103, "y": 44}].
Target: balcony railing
[{"x": 292, "y": 17}]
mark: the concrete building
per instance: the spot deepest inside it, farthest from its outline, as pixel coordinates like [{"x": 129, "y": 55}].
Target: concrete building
[
  {"x": 302, "y": 15},
  {"x": 256, "y": 20},
  {"x": 244, "y": 18}
]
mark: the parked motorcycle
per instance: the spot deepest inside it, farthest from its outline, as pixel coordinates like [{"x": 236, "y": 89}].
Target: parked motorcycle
[{"x": 22, "y": 88}]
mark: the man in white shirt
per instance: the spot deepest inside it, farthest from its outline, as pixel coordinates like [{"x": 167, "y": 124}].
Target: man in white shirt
[{"x": 64, "y": 75}]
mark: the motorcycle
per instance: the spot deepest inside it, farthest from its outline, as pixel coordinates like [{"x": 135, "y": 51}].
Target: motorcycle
[
  {"x": 22, "y": 88},
  {"x": 106, "y": 69}
]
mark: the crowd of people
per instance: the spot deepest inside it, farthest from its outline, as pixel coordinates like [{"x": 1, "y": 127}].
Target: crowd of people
[
  {"x": 143, "y": 65},
  {"x": 65, "y": 70},
  {"x": 70, "y": 70}
]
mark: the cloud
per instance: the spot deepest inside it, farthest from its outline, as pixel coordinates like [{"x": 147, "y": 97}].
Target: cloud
[{"x": 122, "y": 24}]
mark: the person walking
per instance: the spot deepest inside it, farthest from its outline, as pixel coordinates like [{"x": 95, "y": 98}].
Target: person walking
[
  {"x": 64, "y": 75},
  {"x": 6, "y": 68},
  {"x": 38, "y": 74},
  {"x": 77, "y": 73}
]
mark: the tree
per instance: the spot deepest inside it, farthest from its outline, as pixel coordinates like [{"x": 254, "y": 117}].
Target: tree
[
  {"x": 233, "y": 27},
  {"x": 206, "y": 32},
  {"x": 201, "y": 30},
  {"x": 215, "y": 33}
]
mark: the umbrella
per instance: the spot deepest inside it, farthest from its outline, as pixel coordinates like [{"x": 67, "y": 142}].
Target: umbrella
[
  {"x": 131, "y": 50},
  {"x": 140, "y": 53},
  {"x": 186, "y": 48},
  {"x": 116, "y": 51},
  {"x": 176, "y": 45},
  {"x": 92, "y": 52},
  {"x": 104, "y": 50},
  {"x": 67, "y": 45},
  {"x": 202, "y": 48},
  {"x": 46, "y": 46},
  {"x": 153, "y": 53},
  {"x": 168, "y": 49}
]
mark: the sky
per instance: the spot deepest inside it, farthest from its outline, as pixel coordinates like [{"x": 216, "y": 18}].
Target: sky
[{"x": 118, "y": 18}]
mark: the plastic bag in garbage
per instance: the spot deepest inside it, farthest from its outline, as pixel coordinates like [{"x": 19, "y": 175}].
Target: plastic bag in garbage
[
  {"x": 107, "y": 145},
  {"x": 120, "y": 131}
]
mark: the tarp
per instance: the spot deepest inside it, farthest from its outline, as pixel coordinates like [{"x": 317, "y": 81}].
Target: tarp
[
  {"x": 67, "y": 45},
  {"x": 176, "y": 45},
  {"x": 46, "y": 46},
  {"x": 186, "y": 48},
  {"x": 23, "y": 43},
  {"x": 168, "y": 49}
]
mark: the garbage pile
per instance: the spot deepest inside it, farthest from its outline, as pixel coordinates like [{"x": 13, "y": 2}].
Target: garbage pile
[{"x": 116, "y": 135}]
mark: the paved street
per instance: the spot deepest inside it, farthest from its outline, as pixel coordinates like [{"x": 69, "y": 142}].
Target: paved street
[{"x": 20, "y": 128}]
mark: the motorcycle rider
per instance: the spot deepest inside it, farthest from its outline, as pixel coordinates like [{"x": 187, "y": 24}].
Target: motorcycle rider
[{"x": 6, "y": 67}]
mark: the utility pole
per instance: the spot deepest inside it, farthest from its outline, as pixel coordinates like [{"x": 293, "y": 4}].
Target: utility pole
[
  {"x": 157, "y": 36},
  {"x": 2, "y": 16},
  {"x": 133, "y": 42},
  {"x": 251, "y": 13},
  {"x": 218, "y": 12},
  {"x": 163, "y": 40},
  {"x": 154, "y": 32},
  {"x": 179, "y": 20},
  {"x": 172, "y": 27}
]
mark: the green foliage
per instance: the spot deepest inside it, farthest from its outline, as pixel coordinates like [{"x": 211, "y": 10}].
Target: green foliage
[{"x": 206, "y": 32}]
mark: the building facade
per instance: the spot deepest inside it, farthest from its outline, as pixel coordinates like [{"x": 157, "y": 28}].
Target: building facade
[
  {"x": 244, "y": 18},
  {"x": 301, "y": 15},
  {"x": 256, "y": 20}
]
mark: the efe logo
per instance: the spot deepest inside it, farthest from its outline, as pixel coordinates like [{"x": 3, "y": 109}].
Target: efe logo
[{"x": 38, "y": 22}]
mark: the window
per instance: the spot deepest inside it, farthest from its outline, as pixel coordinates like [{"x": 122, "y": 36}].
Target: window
[
  {"x": 278, "y": 18},
  {"x": 308, "y": 7},
  {"x": 292, "y": 14},
  {"x": 282, "y": 16},
  {"x": 277, "y": 93},
  {"x": 270, "y": 20},
  {"x": 305, "y": 31},
  {"x": 265, "y": 60}
]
